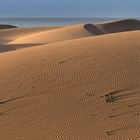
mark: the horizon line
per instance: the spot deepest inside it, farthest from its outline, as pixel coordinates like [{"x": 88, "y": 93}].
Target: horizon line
[{"x": 65, "y": 17}]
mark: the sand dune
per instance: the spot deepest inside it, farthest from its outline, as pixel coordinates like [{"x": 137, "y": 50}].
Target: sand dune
[
  {"x": 84, "y": 89},
  {"x": 9, "y": 35},
  {"x": 79, "y": 31},
  {"x": 4, "y": 26},
  {"x": 62, "y": 34}
]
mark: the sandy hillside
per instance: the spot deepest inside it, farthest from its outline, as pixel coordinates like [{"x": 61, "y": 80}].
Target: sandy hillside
[{"x": 75, "y": 89}]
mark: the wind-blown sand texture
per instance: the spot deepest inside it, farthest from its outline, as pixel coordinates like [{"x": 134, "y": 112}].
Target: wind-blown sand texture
[{"x": 79, "y": 87}]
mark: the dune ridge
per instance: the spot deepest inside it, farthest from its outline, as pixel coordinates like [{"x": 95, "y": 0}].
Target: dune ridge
[
  {"x": 62, "y": 34},
  {"x": 79, "y": 31},
  {"x": 81, "y": 89},
  {"x": 12, "y": 34}
]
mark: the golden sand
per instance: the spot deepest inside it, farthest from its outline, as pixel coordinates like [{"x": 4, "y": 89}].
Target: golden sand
[{"x": 77, "y": 86}]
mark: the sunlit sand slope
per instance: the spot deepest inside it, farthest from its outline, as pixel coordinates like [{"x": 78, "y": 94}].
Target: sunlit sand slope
[
  {"x": 85, "y": 89},
  {"x": 9, "y": 35},
  {"x": 62, "y": 34}
]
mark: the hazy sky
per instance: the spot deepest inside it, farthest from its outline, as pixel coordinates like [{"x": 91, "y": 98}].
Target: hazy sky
[{"x": 72, "y": 8}]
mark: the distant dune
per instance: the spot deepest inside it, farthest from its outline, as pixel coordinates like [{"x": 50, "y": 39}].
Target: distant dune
[
  {"x": 62, "y": 34},
  {"x": 78, "y": 31},
  {"x": 4, "y": 26},
  {"x": 78, "y": 87},
  {"x": 113, "y": 27}
]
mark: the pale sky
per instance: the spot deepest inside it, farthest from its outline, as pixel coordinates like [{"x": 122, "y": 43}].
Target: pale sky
[{"x": 70, "y": 8}]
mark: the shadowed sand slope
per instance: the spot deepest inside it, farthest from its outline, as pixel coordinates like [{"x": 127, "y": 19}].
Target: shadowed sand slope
[
  {"x": 6, "y": 48},
  {"x": 87, "y": 89},
  {"x": 4, "y": 26},
  {"x": 119, "y": 26}
]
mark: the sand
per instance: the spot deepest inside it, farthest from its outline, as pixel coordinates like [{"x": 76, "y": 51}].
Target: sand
[
  {"x": 9, "y": 35},
  {"x": 75, "y": 88},
  {"x": 62, "y": 34}
]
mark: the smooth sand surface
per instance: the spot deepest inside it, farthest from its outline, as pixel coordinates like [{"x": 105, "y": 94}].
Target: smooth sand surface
[
  {"x": 9, "y": 35},
  {"x": 80, "y": 89}
]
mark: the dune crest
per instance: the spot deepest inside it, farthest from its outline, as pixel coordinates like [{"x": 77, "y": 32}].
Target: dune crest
[
  {"x": 9, "y": 35},
  {"x": 79, "y": 31},
  {"x": 62, "y": 34}
]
